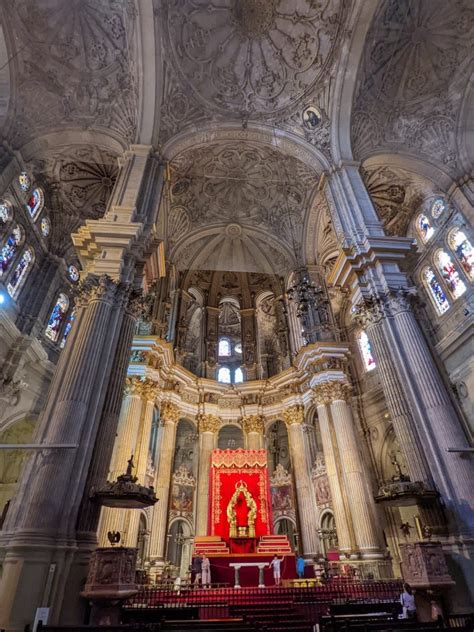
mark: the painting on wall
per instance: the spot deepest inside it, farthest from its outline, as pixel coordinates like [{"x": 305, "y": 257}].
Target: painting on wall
[
  {"x": 182, "y": 493},
  {"x": 282, "y": 494}
]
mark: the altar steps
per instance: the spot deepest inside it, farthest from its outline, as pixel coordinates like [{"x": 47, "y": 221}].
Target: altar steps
[
  {"x": 274, "y": 545},
  {"x": 210, "y": 545}
]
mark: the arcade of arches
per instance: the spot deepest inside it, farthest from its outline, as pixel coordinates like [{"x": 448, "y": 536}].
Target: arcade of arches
[{"x": 236, "y": 226}]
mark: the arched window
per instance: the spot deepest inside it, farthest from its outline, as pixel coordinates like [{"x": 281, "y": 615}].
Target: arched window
[
  {"x": 5, "y": 211},
  {"x": 424, "y": 228},
  {"x": 35, "y": 203},
  {"x": 20, "y": 272},
  {"x": 10, "y": 248},
  {"x": 223, "y": 375},
  {"x": 435, "y": 291},
  {"x": 238, "y": 375},
  {"x": 450, "y": 274},
  {"x": 58, "y": 313},
  {"x": 463, "y": 250},
  {"x": 366, "y": 351},
  {"x": 67, "y": 329},
  {"x": 24, "y": 181},
  {"x": 224, "y": 347},
  {"x": 438, "y": 207}
]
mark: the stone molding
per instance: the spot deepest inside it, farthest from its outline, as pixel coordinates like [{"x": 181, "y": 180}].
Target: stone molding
[
  {"x": 170, "y": 412},
  {"x": 332, "y": 391},
  {"x": 208, "y": 423},
  {"x": 253, "y": 423},
  {"x": 294, "y": 415},
  {"x": 371, "y": 310}
]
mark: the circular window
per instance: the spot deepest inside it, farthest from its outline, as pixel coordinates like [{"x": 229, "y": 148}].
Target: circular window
[
  {"x": 24, "y": 181},
  {"x": 438, "y": 207},
  {"x": 45, "y": 226},
  {"x": 73, "y": 273}
]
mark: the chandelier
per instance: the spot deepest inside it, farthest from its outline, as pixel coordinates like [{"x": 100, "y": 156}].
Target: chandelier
[{"x": 305, "y": 294}]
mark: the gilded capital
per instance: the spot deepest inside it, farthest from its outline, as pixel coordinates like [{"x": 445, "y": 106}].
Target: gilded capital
[
  {"x": 294, "y": 415},
  {"x": 252, "y": 423},
  {"x": 170, "y": 412},
  {"x": 94, "y": 288},
  {"x": 208, "y": 423},
  {"x": 332, "y": 391}
]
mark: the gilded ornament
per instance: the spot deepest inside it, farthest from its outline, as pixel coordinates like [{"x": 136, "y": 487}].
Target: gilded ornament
[
  {"x": 332, "y": 391},
  {"x": 252, "y": 423},
  {"x": 136, "y": 385},
  {"x": 294, "y": 415},
  {"x": 208, "y": 423},
  {"x": 170, "y": 412}
]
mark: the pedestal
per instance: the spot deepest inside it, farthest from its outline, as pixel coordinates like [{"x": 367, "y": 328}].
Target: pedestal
[
  {"x": 111, "y": 580},
  {"x": 424, "y": 565}
]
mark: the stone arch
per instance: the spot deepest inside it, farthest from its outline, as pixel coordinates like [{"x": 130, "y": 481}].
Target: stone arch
[
  {"x": 285, "y": 525},
  {"x": 179, "y": 547},
  {"x": 230, "y": 437},
  {"x": 327, "y": 531}
]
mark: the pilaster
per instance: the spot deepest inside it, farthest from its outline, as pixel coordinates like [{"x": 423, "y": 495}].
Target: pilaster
[
  {"x": 253, "y": 428},
  {"x": 208, "y": 426}
]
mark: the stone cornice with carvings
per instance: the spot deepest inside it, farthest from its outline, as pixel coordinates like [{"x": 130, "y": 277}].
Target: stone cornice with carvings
[
  {"x": 332, "y": 391},
  {"x": 293, "y": 415},
  {"x": 253, "y": 423},
  {"x": 101, "y": 288},
  {"x": 208, "y": 422},
  {"x": 170, "y": 412}
]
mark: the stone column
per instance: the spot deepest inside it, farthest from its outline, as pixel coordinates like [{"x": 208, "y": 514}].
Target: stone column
[
  {"x": 249, "y": 356},
  {"x": 170, "y": 416},
  {"x": 294, "y": 418},
  {"x": 253, "y": 429},
  {"x": 208, "y": 428},
  {"x": 43, "y": 515},
  {"x": 361, "y": 502},
  {"x": 338, "y": 495},
  {"x": 212, "y": 325}
]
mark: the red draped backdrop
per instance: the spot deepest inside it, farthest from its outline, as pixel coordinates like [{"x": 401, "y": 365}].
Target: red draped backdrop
[{"x": 228, "y": 468}]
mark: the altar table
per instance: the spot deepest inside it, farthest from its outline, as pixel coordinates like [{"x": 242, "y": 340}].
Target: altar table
[{"x": 260, "y": 565}]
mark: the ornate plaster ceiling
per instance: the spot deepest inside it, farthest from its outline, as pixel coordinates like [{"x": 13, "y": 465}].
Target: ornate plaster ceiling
[
  {"x": 255, "y": 186},
  {"x": 73, "y": 67},
  {"x": 418, "y": 60}
]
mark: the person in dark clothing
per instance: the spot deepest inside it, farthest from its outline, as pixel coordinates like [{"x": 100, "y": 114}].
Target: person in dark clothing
[{"x": 197, "y": 569}]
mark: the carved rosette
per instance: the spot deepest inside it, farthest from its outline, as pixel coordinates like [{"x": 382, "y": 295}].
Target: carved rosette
[
  {"x": 332, "y": 391},
  {"x": 99, "y": 288},
  {"x": 294, "y": 415},
  {"x": 170, "y": 412},
  {"x": 252, "y": 423},
  {"x": 208, "y": 423}
]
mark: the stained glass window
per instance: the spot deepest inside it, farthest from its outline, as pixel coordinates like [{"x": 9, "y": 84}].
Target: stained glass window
[
  {"x": 20, "y": 273},
  {"x": 67, "y": 329},
  {"x": 45, "y": 226},
  {"x": 435, "y": 291},
  {"x": 24, "y": 181},
  {"x": 438, "y": 207},
  {"x": 366, "y": 352},
  {"x": 9, "y": 249},
  {"x": 238, "y": 348},
  {"x": 464, "y": 252},
  {"x": 35, "y": 203},
  {"x": 73, "y": 273},
  {"x": 238, "y": 375},
  {"x": 5, "y": 211},
  {"x": 450, "y": 274},
  {"x": 223, "y": 375},
  {"x": 424, "y": 228},
  {"x": 224, "y": 347},
  {"x": 56, "y": 318}
]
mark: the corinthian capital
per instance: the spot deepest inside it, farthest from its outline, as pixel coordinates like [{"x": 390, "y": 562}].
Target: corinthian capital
[
  {"x": 294, "y": 415},
  {"x": 170, "y": 412},
  {"x": 95, "y": 288},
  {"x": 332, "y": 391},
  {"x": 208, "y": 423},
  {"x": 252, "y": 423},
  {"x": 144, "y": 387}
]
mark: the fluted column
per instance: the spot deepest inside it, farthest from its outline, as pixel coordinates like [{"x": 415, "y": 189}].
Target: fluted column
[
  {"x": 294, "y": 418},
  {"x": 208, "y": 428},
  {"x": 338, "y": 495},
  {"x": 141, "y": 453},
  {"x": 169, "y": 415},
  {"x": 253, "y": 429},
  {"x": 360, "y": 499}
]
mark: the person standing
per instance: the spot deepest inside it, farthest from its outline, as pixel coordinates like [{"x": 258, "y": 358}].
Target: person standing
[
  {"x": 276, "y": 563},
  {"x": 206, "y": 571},
  {"x": 407, "y": 599},
  {"x": 197, "y": 569},
  {"x": 300, "y": 567}
]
